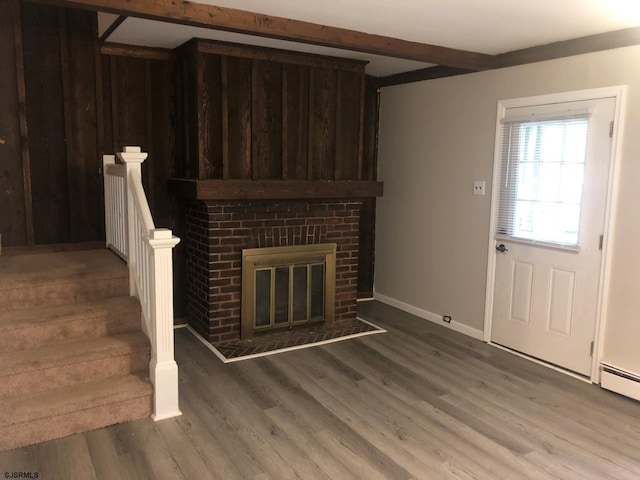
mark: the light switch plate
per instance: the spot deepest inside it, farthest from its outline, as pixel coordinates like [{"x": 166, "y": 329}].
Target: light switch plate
[{"x": 478, "y": 187}]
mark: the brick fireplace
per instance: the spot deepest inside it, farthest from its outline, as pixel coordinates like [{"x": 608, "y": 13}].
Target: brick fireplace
[{"x": 218, "y": 231}]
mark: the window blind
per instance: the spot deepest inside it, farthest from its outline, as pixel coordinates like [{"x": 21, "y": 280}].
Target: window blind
[{"x": 542, "y": 162}]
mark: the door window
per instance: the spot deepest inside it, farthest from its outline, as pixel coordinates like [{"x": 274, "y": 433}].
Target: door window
[{"x": 542, "y": 173}]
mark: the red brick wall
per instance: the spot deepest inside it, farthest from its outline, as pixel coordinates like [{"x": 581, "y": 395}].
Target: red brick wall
[{"x": 218, "y": 231}]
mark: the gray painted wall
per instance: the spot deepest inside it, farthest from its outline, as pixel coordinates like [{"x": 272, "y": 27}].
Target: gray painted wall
[{"x": 437, "y": 137}]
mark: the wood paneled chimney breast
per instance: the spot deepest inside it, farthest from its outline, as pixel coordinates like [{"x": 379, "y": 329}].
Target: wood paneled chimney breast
[{"x": 273, "y": 147}]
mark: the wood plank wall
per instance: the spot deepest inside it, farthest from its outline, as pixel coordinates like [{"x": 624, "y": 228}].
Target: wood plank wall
[
  {"x": 138, "y": 103},
  {"x": 58, "y": 95},
  {"x": 15, "y": 195},
  {"x": 252, "y": 113},
  {"x": 139, "y": 108},
  {"x": 366, "y": 260},
  {"x": 50, "y": 178}
]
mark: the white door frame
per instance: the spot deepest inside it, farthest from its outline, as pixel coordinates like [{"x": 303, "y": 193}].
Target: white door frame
[{"x": 618, "y": 93}]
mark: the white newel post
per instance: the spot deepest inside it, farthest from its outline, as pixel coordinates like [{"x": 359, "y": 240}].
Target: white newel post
[
  {"x": 132, "y": 158},
  {"x": 163, "y": 367}
]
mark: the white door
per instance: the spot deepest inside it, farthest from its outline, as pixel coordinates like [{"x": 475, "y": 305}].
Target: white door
[{"x": 552, "y": 196}]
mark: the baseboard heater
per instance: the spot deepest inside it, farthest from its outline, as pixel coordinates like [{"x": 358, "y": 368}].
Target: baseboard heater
[{"x": 620, "y": 381}]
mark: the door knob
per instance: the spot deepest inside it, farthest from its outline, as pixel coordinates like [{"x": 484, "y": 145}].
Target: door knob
[{"x": 501, "y": 248}]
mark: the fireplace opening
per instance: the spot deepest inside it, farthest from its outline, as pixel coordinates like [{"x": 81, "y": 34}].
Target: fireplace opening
[{"x": 283, "y": 287}]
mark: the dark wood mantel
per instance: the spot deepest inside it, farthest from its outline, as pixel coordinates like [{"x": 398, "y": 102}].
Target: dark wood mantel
[{"x": 273, "y": 189}]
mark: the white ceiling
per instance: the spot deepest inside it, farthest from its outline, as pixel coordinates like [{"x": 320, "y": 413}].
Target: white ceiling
[{"x": 485, "y": 26}]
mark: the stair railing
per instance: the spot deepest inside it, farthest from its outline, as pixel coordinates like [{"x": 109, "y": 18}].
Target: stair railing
[{"x": 131, "y": 233}]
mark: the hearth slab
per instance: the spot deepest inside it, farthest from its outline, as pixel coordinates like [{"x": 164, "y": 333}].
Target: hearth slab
[{"x": 278, "y": 342}]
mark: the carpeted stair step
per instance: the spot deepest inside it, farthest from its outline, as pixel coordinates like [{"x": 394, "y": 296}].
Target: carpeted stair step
[
  {"x": 57, "y": 413},
  {"x": 73, "y": 355},
  {"x": 27, "y": 372},
  {"x": 44, "y": 326},
  {"x": 28, "y": 281}
]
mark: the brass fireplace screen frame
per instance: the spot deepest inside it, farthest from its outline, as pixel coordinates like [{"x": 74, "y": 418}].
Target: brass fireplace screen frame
[{"x": 255, "y": 259}]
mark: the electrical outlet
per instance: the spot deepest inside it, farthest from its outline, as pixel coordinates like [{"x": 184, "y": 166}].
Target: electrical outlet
[{"x": 478, "y": 187}]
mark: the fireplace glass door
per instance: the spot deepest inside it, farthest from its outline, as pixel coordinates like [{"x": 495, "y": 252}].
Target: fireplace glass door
[
  {"x": 287, "y": 286},
  {"x": 289, "y": 294}
]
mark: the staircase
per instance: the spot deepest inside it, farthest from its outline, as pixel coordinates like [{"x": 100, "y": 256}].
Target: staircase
[{"x": 72, "y": 355}]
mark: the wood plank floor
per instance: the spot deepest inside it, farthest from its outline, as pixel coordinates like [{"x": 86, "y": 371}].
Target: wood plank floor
[{"x": 417, "y": 402}]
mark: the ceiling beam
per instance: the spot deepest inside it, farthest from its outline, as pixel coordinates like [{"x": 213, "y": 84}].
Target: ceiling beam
[
  {"x": 567, "y": 48},
  {"x": 112, "y": 28},
  {"x": 428, "y": 73},
  {"x": 239, "y": 21},
  {"x": 577, "y": 46},
  {"x": 135, "y": 51}
]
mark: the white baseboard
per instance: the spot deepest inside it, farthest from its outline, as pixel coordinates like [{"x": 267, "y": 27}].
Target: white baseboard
[{"x": 432, "y": 317}]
